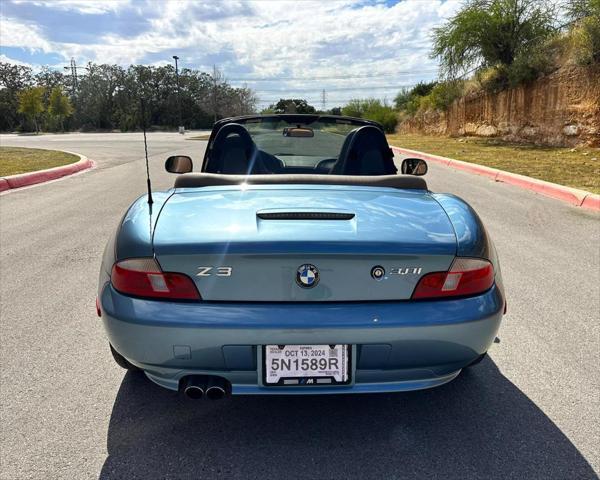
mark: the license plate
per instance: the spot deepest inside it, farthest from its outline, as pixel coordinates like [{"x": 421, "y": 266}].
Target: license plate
[{"x": 301, "y": 365}]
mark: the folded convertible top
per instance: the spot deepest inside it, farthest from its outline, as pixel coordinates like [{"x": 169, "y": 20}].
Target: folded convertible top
[{"x": 194, "y": 180}]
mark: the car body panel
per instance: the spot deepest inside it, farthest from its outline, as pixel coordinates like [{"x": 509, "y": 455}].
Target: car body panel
[
  {"x": 220, "y": 227},
  {"x": 393, "y": 341},
  {"x": 134, "y": 238}
]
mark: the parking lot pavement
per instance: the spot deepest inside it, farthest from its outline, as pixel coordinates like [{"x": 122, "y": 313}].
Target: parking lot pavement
[{"x": 528, "y": 411}]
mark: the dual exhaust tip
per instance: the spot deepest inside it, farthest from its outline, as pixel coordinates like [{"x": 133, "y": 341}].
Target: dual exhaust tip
[{"x": 197, "y": 386}]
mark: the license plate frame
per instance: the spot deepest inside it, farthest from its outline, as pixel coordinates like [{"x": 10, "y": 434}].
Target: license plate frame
[{"x": 308, "y": 380}]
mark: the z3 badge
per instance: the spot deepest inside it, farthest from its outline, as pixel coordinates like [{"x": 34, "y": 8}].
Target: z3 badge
[{"x": 217, "y": 271}]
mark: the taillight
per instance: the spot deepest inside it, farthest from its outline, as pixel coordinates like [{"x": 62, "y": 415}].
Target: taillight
[
  {"x": 467, "y": 276},
  {"x": 142, "y": 277}
]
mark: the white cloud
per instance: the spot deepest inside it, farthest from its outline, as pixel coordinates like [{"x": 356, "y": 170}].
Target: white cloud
[
  {"x": 89, "y": 7},
  {"x": 15, "y": 33},
  {"x": 5, "y": 59},
  {"x": 308, "y": 39}
]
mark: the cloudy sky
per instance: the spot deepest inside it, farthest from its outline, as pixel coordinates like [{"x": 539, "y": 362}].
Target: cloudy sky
[{"x": 349, "y": 48}]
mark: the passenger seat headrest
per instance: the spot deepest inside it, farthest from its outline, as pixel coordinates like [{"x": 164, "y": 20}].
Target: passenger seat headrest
[{"x": 365, "y": 152}]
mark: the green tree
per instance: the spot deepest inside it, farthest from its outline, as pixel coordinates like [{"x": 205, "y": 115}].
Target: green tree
[
  {"x": 13, "y": 78},
  {"x": 108, "y": 96},
  {"x": 486, "y": 33},
  {"x": 31, "y": 104},
  {"x": 59, "y": 106},
  {"x": 579, "y": 9},
  {"x": 359, "y": 107},
  {"x": 585, "y": 34},
  {"x": 408, "y": 98},
  {"x": 292, "y": 105},
  {"x": 372, "y": 109}
]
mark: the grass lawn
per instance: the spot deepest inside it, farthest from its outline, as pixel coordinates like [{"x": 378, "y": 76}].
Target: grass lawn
[
  {"x": 14, "y": 160},
  {"x": 579, "y": 168}
]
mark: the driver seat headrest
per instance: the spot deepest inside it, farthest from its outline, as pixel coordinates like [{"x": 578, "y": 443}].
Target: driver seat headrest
[{"x": 234, "y": 152}]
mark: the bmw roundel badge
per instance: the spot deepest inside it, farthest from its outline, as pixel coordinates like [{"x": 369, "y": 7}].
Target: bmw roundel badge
[{"x": 307, "y": 276}]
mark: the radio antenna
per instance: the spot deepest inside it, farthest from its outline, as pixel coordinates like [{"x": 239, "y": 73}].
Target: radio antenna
[{"x": 150, "y": 201}]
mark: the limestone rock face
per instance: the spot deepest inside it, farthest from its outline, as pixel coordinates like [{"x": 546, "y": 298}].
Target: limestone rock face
[
  {"x": 486, "y": 131},
  {"x": 571, "y": 130},
  {"x": 560, "y": 109}
]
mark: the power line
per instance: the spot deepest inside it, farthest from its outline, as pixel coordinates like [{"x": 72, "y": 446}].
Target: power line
[
  {"x": 335, "y": 89},
  {"x": 331, "y": 77},
  {"x": 309, "y": 100}
]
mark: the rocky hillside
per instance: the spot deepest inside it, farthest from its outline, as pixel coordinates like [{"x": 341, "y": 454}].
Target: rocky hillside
[{"x": 559, "y": 109}]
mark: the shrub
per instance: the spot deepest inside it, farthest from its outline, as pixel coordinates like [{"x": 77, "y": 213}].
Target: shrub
[
  {"x": 422, "y": 88},
  {"x": 493, "y": 79},
  {"x": 425, "y": 103},
  {"x": 372, "y": 109},
  {"x": 354, "y": 108},
  {"x": 386, "y": 116},
  {"x": 529, "y": 66},
  {"x": 413, "y": 105},
  {"x": 585, "y": 40},
  {"x": 404, "y": 96},
  {"x": 409, "y": 100},
  {"x": 443, "y": 94}
]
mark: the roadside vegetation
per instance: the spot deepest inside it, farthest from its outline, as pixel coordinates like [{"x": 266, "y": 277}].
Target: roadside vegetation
[
  {"x": 492, "y": 45},
  {"x": 574, "y": 168},
  {"x": 15, "y": 160},
  {"x": 107, "y": 97}
]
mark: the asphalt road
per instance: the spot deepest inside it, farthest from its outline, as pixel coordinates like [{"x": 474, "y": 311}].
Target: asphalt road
[{"x": 531, "y": 410}]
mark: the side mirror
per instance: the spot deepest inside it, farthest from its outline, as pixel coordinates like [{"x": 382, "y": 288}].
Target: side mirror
[
  {"x": 179, "y": 164},
  {"x": 414, "y": 166}
]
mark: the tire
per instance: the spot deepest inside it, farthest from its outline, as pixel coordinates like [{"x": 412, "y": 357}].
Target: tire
[
  {"x": 122, "y": 361},
  {"x": 477, "y": 360}
]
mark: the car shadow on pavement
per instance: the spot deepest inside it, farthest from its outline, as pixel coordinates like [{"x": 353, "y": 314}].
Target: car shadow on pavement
[{"x": 478, "y": 426}]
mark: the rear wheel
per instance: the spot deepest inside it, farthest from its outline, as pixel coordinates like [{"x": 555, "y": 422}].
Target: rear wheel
[
  {"x": 477, "y": 360},
  {"x": 122, "y": 361}
]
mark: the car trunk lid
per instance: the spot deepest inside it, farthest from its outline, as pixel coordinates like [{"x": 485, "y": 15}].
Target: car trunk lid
[{"x": 249, "y": 244}]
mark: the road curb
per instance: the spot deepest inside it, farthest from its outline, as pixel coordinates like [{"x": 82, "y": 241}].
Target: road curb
[
  {"x": 574, "y": 196},
  {"x": 40, "y": 176}
]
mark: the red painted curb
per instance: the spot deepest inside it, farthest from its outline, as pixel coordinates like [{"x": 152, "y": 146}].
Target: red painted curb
[
  {"x": 574, "y": 196},
  {"x": 592, "y": 201},
  {"x": 32, "y": 178},
  {"x": 566, "y": 194},
  {"x": 492, "y": 173}
]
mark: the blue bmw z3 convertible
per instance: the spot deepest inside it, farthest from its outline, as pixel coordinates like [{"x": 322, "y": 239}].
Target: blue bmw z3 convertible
[{"x": 299, "y": 261}]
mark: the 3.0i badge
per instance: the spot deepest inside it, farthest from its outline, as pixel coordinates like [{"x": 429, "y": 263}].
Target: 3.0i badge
[{"x": 307, "y": 276}]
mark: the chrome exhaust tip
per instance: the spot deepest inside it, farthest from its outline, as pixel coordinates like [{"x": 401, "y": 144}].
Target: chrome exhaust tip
[
  {"x": 217, "y": 388},
  {"x": 194, "y": 387}
]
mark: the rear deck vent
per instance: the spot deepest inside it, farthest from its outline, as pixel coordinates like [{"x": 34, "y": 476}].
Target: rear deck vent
[{"x": 305, "y": 216}]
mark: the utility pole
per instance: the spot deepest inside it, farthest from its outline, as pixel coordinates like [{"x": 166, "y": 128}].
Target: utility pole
[
  {"x": 324, "y": 100},
  {"x": 181, "y": 127},
  {"x": 74, "y": 81},
  {"x": 214, "y": 92}
]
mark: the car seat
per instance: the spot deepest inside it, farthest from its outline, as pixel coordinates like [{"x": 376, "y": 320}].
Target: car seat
[
  {"x": 234, "y": 153},
  {"x": 365, "y": 152}
]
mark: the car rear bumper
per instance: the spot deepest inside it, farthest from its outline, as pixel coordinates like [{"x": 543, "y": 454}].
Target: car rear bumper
[{"x": 396, "y": 346}]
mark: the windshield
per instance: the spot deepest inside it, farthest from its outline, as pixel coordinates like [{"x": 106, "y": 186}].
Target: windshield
[{"x": 300, "y": 141}]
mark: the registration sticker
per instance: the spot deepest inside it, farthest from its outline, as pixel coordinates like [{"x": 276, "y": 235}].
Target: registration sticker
[{"x": 301, "y": 365}]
